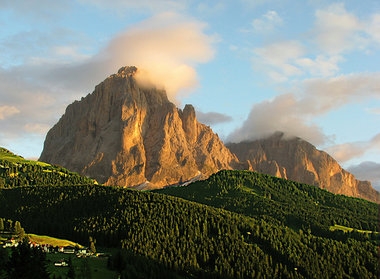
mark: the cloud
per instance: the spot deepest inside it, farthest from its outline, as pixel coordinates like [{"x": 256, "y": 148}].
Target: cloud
[
  {"x": 267, "y": 22},
  {"x": 121, "y": 6},
  {"x": 373, "y": 28},
  {"x": 166, "y": 48},
  {"x": 288, "y": 59},
  {"x": 294, "y": 113},
  {"x": 35, "y": 9},
  {"x": 347, "y": 151},
  {"x": 373, "y": 110},
  {"x": 322, "y": 65},
  {"x": 280, "y": 114},
  {"x": 212, "y": 118},
  {"x": 8, "y": 111},
  {"x": 278, "y": 59},
  {"x": 336, "y": 29},
  {"x": 369, "y": 171},
  {"x": 335, "y": 33},
  {"x": 34, "y": 92},
  {"x": 324, "y": 95}
]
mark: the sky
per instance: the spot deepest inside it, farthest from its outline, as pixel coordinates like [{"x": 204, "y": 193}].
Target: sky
[{"x": 309, "y": 68}]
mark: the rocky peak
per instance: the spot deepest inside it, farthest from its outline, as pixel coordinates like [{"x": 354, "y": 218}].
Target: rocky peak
[
  {"x": 298, "y": 160},
  {"x": 127, "y": 135},
  {"x": 126, "y": 71}
]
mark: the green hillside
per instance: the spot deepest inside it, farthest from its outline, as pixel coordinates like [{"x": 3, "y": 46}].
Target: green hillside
[
  {"x": 17, "y": 171},
  {"x": 166, "y": 236},
  {"x": 295, "y": 205}
]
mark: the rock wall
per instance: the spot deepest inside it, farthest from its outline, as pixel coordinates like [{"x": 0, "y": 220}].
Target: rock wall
[
  {"x": 298, "y": 160},
  {"x": 127, "y": 135}
]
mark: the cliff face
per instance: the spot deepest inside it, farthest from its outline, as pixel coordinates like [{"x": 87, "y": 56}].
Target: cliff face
[
  {"x": 126, "y": 135},
  {"x": 298, "y": 160},
  {"x": 123, "y": 134}
]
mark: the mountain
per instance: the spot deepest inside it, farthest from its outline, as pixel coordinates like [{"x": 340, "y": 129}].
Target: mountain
[
  {"x": 298, "y": 160},
  {"x": 129, "y": 135}
]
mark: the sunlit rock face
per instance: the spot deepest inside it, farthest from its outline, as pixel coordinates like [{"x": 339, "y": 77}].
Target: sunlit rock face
[
  {"x": 298, "y": 160},
  {"x": 129, "y": 135}
]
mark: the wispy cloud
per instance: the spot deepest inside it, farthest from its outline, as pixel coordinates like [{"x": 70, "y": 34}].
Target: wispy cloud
[
  {"x": 293, "y": 113},
  {"x": 346, "y": 151},
  {"x": 166, "y": 47},
  {"x": 8, "y": 111},
  {"x": 120, "y": 6},
  {"x": 335, "y": 33},
  {"x": 280, "y": 114},
  {"x": 267, "y": 22},
  {"x": 34, "y": 92},
  {"x": 212, "y": 118},
  {"x": 278, "y": 59},
  {"x": 337, "y": 30},
  {"x": 367, "y": 171}
]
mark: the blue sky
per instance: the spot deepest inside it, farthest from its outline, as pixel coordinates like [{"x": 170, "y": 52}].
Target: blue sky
[{"x": 308, "y": 68}]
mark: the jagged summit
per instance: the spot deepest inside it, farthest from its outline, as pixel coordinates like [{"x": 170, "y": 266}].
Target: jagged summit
[
  {"x": 130, "y": 135},
  {"x": 127, "y": 135},
  {"x": 127, "y": 71},
  {"x": 296, "y": 159}
]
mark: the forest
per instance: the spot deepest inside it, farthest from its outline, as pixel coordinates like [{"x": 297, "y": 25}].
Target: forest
[
  {"x": 296, "y": 205},
  {"x": 236, "y": 224},
  {"x": 190, "y": 239},
  {"x": 15, "y": 171}
]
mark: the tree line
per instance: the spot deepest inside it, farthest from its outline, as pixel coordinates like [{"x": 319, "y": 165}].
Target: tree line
[
  {"x": 15, "y": 174},
  {"x": 184, "y": 238},
  {"x": 296, "y": 205}
]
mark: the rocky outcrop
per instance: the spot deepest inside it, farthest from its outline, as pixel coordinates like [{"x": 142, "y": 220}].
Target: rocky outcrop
[
  {"x": 127, "y": 135},
  {"x": 132, "y": 136},
  {"x": 298, "y": 160}
]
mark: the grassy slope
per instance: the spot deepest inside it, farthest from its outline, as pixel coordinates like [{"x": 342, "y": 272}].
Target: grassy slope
[
  {"x": 43, "y": 239},
  {"x": 92, "y": 267},
  {"x": 17, "y": 171},
  {"x": 11, "y": 157}
]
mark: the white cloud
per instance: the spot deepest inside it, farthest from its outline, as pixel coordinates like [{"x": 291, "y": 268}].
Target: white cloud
[
  {"x": 373, "y": 110},
  {"x": 336, "y": 29},
  {"x": 369, "y": 171},
  {"x": 212, "y": 118},
  {"x": 278, "y": 58},
  {"x": 167, "y": 47},
  {"x": 267, "y": 22},
  {"x": 336, "y": 33},
  {"x": 373, "y": 28},
  {"x": 122, "y": 6},
  {"x": 324, "y": 95},
  {"x": 294, "y": 113},
  {"x": 322, "y": 65},
  {"x": 7, "y": 111},
  {"x": 280, "y": 114},
  {"x": 288, "y": 59},
  {"x": 347, "y": 151}
]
